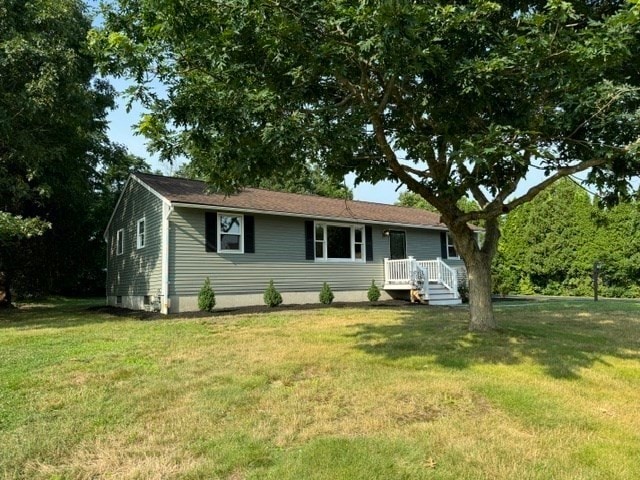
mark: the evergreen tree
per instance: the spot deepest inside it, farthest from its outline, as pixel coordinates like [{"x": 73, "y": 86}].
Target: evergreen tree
[{"x": 546, "y": 244}]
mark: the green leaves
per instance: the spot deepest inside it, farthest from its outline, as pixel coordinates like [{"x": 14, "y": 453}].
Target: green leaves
[{"x": 14, "y": 227}]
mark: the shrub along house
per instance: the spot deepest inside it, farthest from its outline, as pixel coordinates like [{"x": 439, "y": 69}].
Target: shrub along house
[{"x": 166, "y": 235}]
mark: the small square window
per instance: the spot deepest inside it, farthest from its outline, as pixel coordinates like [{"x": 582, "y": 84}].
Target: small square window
[
  {"x": 119, "y": 300},
  {"x": 146, "y": 300}
]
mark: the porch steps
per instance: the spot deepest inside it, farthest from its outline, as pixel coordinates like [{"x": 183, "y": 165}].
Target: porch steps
[{"x": 438, "y": 294}]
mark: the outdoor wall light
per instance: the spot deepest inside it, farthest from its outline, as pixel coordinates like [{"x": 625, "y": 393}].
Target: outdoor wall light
[{"x": 385, "y": 233}]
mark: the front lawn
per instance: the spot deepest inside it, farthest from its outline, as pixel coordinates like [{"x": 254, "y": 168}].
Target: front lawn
[{"x": 336, "y": 393}]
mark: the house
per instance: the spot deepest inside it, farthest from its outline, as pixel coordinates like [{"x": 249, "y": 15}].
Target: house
[{"x": 166, "y": 235}]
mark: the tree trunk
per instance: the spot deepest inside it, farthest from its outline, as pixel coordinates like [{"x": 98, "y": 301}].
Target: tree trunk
[
  {"x": 480, "y": 305},
  {"x": 478, "y": 260}
]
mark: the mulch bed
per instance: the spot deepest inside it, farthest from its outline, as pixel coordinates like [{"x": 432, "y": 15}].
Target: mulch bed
[{"x": 142, "y": 315}]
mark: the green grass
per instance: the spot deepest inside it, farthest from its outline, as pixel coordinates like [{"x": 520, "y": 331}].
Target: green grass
[{"x": 354, "y": 393}]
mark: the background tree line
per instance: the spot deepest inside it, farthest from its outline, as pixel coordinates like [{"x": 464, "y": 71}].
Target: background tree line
[
  {"x": 59, "y": 172},
  {"x": 550, "y": 245}
]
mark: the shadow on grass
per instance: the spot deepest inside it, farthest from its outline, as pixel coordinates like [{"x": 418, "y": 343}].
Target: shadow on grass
[{"x": 563, "y": 337}]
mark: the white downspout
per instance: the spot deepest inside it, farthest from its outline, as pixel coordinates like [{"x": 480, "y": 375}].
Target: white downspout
[{"x": 165, "y": 306}]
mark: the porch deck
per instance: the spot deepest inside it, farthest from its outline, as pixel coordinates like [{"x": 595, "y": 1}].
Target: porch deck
[{"x": 433, "y": 281}]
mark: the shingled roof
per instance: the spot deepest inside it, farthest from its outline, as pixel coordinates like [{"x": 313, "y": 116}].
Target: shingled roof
[{"x": 194, "y": 192}]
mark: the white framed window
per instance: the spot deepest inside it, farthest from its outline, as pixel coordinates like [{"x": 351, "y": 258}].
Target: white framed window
[
  {"x": 120, "y": 242},
  {"x": 230, "y": 233},
  {"x": 451, "y": 249},
  {"x": 339, "y": 242},
  {"x": 358, "y": 243},
  {"x": 140, "y": 233}
]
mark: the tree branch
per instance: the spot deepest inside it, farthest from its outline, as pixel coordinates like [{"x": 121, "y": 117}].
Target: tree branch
[
  {"x": 388, "y": 89},
  {"x": 395, "y": 166},
  {"x": 561, "y": 173},
  {"x": 494, "y": 209}
]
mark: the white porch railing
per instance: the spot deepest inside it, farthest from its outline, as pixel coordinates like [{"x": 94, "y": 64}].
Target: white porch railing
[
  {"x": 398, "y": 272},
  {"x": 410, "y": 272}
]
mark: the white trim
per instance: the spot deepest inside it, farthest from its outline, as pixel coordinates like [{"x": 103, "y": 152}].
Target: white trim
[
  {"x": 119, "y": 239},
  {"x": 164, "y": 259},
  {"x": 219, "y": 233},
  {"x": 308, "y": 216},
  {"x": 352, "y": 236},
  {"x": 132, "y": 177},
  {"x": 143, "y": 237},
  {"x": 457, "y": 257}
]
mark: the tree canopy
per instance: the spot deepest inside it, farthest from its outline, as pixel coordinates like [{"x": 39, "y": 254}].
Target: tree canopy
[
  {"x": 58, "y": 169},
  {"x": 448, "y": 98}
]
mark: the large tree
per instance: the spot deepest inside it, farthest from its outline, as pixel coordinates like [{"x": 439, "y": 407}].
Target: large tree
[
  {"x": 56, "y": 161},
  {"x": 448, "y": 98}
]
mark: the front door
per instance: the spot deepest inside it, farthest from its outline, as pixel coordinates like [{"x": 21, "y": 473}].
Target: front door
[{"x": 397, "y": 245}]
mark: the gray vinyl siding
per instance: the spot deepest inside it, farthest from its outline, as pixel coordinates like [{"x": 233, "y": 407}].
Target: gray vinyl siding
[
  {"x": 425, "y": 245},
  {"x": 279, "y": 255},
  {"x": 136, "y": 271}
]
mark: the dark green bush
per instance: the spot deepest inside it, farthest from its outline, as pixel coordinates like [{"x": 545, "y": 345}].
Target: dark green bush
[
  {"x": 326, "y": 295},
  {"x": 206, "y": 297},
  {"x": 272, "y": 297},
  {"x": 373, "y": 294}
]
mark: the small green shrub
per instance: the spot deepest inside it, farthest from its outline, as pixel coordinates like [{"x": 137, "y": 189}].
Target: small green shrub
[
  {"x": 326, "y": 295},
  {"x": 373, "y": 294},
  {"x": 272, "y": 297},
  {"x": 206, "y": 297}
]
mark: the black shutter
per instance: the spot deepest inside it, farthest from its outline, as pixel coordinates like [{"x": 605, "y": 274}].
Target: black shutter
[
  {"x": 249, "y": 234},
  {"x": 309, "y": 240},
  {"x": 443, "y": 245},
  {"x": 211, "y": 231},
  {"x": 368, "y": 240}
]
